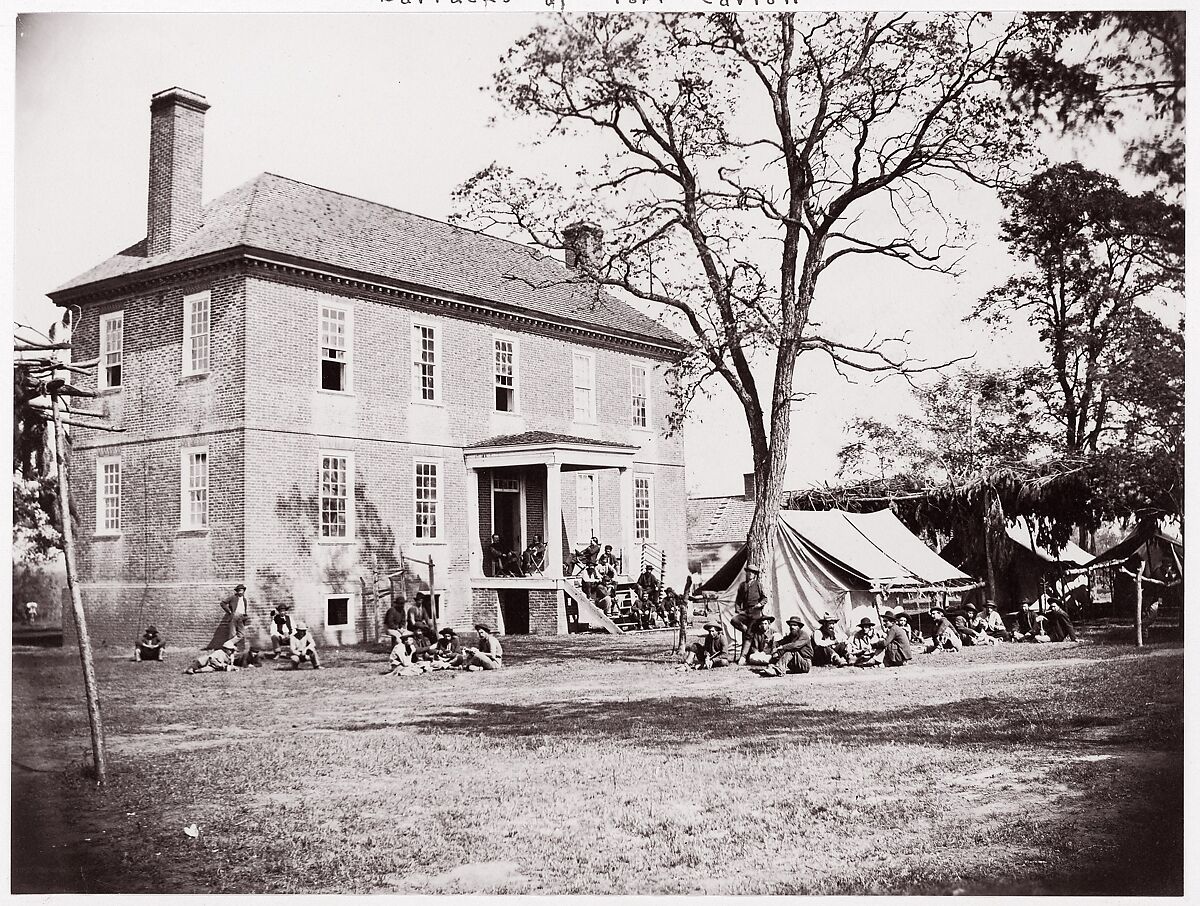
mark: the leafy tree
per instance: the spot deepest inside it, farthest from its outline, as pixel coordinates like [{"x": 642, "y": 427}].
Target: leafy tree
[
  {"x": 1095, "y": 252},
  {"x": 1129, "y": 63},
  {"x": 745, "y": 156}
]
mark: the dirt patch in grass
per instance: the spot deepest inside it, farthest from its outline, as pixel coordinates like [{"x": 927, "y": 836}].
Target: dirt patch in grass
[{"x": 589, "y": 765}]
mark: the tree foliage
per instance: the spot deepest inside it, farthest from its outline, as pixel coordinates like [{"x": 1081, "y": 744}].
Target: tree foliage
[{"x": 745, "y": 157}]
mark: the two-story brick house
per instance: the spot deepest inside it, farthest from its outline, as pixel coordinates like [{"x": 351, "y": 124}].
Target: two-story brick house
[{"x": 311, "y": 384}]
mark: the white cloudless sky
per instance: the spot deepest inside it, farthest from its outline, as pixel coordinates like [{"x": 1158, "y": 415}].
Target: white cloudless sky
[{"x": 390, "y": 108}]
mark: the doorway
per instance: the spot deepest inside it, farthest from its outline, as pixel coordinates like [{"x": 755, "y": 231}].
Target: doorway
[
  {"x": 514, "y": 609},
  {"x": 506, "y": 512}
]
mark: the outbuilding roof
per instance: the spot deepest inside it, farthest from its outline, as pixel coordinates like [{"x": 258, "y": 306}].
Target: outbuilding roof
[{"x": 274, "y": 214}]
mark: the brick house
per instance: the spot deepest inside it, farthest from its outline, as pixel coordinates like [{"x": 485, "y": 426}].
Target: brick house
[{"x": 311, "y": 385}]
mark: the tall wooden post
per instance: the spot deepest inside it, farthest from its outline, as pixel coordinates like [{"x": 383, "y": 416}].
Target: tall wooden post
[
  {"x": 1137, "y": 605},
  {"x": 85, "y": 642},
  {"x": 433, "y": 608}
]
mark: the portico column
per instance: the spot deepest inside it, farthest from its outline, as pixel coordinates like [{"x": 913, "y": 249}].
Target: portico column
[
  {"x": 554, "y": 548},
  {"x": 630, "y": 563},
  {"x": 474, "y": 545}
]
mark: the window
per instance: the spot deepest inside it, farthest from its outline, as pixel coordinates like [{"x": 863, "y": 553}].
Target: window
[
  {"x": 112, "y": 338},
  {"x": 643, "y": 517},
  {"x": 195, "y": 333},
  {"x": 426, "y": 359},
  {"x": 641, "y": 407},
  {"x": 108, "y": 495},
  {"x": 585, "y": 506},
  {"x": 506, "y": 375},
  {"x": 193, "y": 483},
  {"x": 336, "y": 328},
  {"x": 427, "y": 498},
  {"x": 337, "y": 492},
  {"x": 585, "y": 387},
  {"x": 337, "y": 610}
]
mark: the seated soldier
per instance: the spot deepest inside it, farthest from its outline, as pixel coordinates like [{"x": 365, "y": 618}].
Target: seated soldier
[
  {"x": 606, "y": 597},
  {"x": 830, "y": 645},
  {"x": 488, "y": 655},
  {"x": 150, "y": 646},
  {"x": 218, "y": 661},
  {"x": 393, "y": 622},
  {"x": 417, "y": 614},
  {"x": 793, "y": 653},
  {"x": 962, "y": 626},
  {"x": 709, "y": 652},
  {"x": 649, "y": 585},
  {"x": 302, "y": 647},
  {"x": 504, "y": 562},
  {"x": 447, "y": 645},
  {"x": 588, "y": 579},
  {"x": 759, "y": 643},
  {"x": 281, "y": 630},
  {"x": 897, "y": 650},
  {"x": 992, "y": 623},
  {"x": 589, "y": 556},
  {"x": 606, "y": 565},
  {"x": 402, "y": 653},
  {"x": 533, "y": 560},
  {"x": 1030, "y": 624},
  {"x": 943, "y": 637},
  {"x": 866, "y": 645},
  {"x": 1058, "y": 624},
  {"x": 424, "y": 643}
]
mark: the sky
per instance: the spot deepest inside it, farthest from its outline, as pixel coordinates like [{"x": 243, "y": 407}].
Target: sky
[{"x": 392, "y": 108}]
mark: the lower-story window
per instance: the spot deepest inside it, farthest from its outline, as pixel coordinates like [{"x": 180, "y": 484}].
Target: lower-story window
[{"x": 337, "y": 611}]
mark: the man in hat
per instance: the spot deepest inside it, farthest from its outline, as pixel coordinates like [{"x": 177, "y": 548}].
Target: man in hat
[
  {"x": 533, "y": 558},
  {"x": 219, "y": 660},
  {"x": 943, "y": 637},
  {"x": 830, "y": 645},
  {"x": 962, "y": 626},
  {"x": 402, "y": 653},
  {"x": 911, "y": 631},
  {"x": 606, "y": 566},
  {"x": 648, "y": 586},
  {"x": 486, "y": 655},
  {"x": 897, "y": 650},
  {"x": 1030, "y": 624},
  {"x": 447, "y": 645},
  {"x": 759, "y": 643},
  {"x": 866, "y": 645},
  {"x": 302, "y": 647},
  {"x": 793, "y": 653},
  {"x": 992, "y": 623},
  {"x": 237, "y": 613},
  {"x": 708, "y": 652},
  {"x": 749, "y": 601},
  {"x": 150, "y": 646},
  {"x": 393, "y": 621},
  {"x": 1058, "y": 624},
  {"x": 282, "y": 628}
]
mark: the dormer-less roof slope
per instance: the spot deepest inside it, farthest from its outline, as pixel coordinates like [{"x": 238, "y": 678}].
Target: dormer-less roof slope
[{"x": 279, "y": 216}]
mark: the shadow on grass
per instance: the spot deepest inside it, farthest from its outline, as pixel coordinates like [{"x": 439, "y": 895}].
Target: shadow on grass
[{"x": 691, "y": 719}]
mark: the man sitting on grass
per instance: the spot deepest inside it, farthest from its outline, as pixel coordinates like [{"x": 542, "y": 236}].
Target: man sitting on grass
[
  {"x": 793, "y": 653},
  {"x": 1058, "y": 624},
  {"x": 424, "y": 643},
  {"x": 281, "y": 630},
  {"x": 447, "y": 645},
  {"x": 1030, "y": 625},
  {"x": 830, "y": 645},
  {"x": 709, "y": 652},
  {"x": 992, "y": 623},
  {"x": 759, "y": 643},
  {"x": 943, "y": 638},
  {"x": 488, "y": 655},
  {"x": 218, "y": 661},
  {"x": 402, "y": 653},
  {"x": 302, "y": 648},
  {"x": 897, "y": 650},
  {"x": 866, "y": 646},
  {"x": 150, "y": 646}
]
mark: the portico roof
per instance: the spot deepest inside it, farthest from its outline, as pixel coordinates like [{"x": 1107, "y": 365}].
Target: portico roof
[{"x": 549, "y": 448}]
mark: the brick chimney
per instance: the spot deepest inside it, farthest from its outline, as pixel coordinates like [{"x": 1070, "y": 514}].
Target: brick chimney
[
  {"x": 583, "y": 242},
  {"x": 749, "y": 485},
  {"x": 176, "y": 168}
]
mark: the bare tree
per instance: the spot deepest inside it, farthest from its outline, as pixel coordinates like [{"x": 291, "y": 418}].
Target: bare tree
[{"x": 745, "y": 157}]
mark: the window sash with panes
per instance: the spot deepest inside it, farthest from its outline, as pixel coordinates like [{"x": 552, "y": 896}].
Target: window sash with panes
[
  {"x": 585, "y": 401},
  {"x": 196, "y": 312},
  {"x": 641, "y": 409},
  {"x": 335, "y": 496},
  {"x": 195, "y": 499},
  {"x": 426, "y": 501},
  {"x": 425, "y": 361},
  {"x": 112, "y": 338},
  {"x": 642, "y": 521},
  {"x": 585, "y": 507},
  {"x": 506, "y": 376},
  {"x": 335, "y": 349},
  {"x": 108, "y": 497}
]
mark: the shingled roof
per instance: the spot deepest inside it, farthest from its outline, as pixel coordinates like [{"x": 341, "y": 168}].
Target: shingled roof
[
  {"x": 543, "y": 438},
  {"x": 719, "y": 520},
  {"x": 273, "y": 214}
]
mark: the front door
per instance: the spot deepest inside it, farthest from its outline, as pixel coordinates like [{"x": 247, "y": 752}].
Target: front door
[
  {"x": 514, "y": 608},
  {"x": 506, "y": 512}
]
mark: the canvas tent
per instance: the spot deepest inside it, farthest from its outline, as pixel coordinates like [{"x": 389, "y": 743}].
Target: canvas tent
[
  {"x": 844, "y": 563},
  {"x": 1160, "y": 551}
]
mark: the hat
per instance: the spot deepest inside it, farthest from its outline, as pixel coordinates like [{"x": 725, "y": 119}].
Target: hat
[
  {"x": 713, "y": 626},
  {"x": 152, "y": 629},
  {"x": 765, "y": 618},
  {"x": 231, "y": 644},
  {"x": 887, "y": 616},
  {"x": 485, "y": 627},
  {"x": 936, "y": 609},
  {"x": 239, "y": 587},
  {"x": 827, "y": 617},
  {"x": 301, "y": 626},
  {"x": 751, "y": 568},
  {"x": 866, "y": 621},
  {"x": 405, "y": 634},
  {"x": 447, "y": 631},
  {"x": 795, "y": 621},
  {"x": 969, "y": 606},
  {"x": 990, "y": 603}
]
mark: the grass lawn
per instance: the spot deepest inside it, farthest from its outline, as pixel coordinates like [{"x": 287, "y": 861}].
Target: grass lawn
[{"x": 589, "y": 765}]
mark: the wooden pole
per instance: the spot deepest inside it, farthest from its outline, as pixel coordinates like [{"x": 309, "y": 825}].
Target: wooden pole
[
  {"x": 432, "y": 599},
  {"x": 1137, "y": 605},
  {"x": 85, "y": 643}
]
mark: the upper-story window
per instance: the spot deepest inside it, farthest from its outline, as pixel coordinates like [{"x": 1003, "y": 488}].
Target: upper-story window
[
  {"x": 584, "y": 371},
  {"x": 506, "y": 375},
  {"x": 112, "y": 339},
  {"x": 193, "y": 488},
  {"x": 108, "y": 495},
  {"x": 427, "y": 361},
  {"x": 337, "y": 496},
  {"x": 641, "y": 398},
  {"x": 427, "y": 499},
  {"x": 195, "y": 332},
  {"x": 336, "y": 346}
]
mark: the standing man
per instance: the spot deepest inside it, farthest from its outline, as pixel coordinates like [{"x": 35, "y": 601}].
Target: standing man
[
  {"x": 750, "y": 600},
  {"x": 237, "y": 614}
]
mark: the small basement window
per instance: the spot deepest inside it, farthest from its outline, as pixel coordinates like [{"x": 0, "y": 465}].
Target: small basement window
[{"x": 337, "y": 611}]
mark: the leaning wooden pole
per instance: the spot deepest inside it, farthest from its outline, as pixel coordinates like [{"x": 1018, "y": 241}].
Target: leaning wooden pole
[
  {"x": 1137, "y": 605},
  {"x": 85, "y": 643}
]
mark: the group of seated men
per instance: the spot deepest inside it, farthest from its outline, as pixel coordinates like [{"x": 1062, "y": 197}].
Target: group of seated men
[
  {"x": 291, "y": 641},
  {"x": 416, "y": 648},
  {"x": 506, "y": 562}
]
